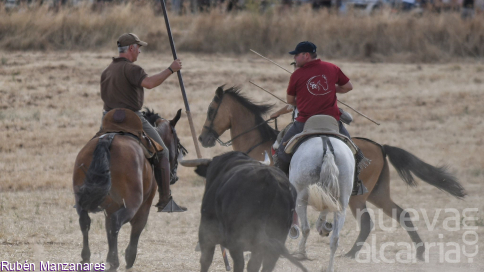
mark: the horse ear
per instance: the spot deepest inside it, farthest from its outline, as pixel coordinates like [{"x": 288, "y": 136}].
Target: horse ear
[
  {"x": 175, "y": 120},
  {"x": 219, "y": 92}
]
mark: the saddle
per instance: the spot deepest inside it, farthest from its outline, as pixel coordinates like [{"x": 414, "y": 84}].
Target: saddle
[
  {"x": 318, "y": 125},
  {"x": 126, "y": 122}
]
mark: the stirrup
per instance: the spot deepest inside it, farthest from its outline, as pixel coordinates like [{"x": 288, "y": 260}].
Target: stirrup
[
  {"x": 170, "y": 207},
  {"x": 360, "y": 189}
]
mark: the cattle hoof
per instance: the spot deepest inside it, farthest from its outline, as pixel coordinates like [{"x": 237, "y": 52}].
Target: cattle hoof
[{"x": 294, "y": 232}]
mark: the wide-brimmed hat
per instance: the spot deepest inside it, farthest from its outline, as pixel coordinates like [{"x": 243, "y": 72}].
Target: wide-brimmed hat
[
  {"x": 304, "y": 47},
  {"x": 128, "y": 39}
]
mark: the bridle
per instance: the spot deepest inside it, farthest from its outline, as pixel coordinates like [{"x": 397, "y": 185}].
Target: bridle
[
  {"x": 229, "y": 142},
  {"x": 179, "y": 148}
]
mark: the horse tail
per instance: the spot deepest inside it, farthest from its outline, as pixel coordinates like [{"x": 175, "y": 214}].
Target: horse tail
[
  {"x": 325, "y": 193},
  {"x": 406, "y": 163},
  {"x": 97, "y": 183}
]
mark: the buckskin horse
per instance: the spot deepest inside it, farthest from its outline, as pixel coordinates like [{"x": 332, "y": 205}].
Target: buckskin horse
[
  {"x": 118, "y": 179},
  {"x": 252, "y": 135}
]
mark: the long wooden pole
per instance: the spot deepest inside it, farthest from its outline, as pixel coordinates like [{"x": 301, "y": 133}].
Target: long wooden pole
[
  {"x": 273, "y": 62},
  {"x": 268, "y": 92},
  {"x": 187, "y": 107},
  {"x": 180, "y": 80}
]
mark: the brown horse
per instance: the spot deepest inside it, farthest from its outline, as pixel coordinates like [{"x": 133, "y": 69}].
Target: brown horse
[
  {"x": 250, "y": 134},
  {"x": 117, "y": 178}
]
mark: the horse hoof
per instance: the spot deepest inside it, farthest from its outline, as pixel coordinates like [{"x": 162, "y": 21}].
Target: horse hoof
[
  {"x": 420, "y": 253},
  {"x": 420, "y": 257},
  {"x": 325, "y": 230},
  {"x": 294, "y": 232},
  {"x": 110, "y": 268},
  {"x": 350, "y": 255},
  {"x": 300, "y": 256}
]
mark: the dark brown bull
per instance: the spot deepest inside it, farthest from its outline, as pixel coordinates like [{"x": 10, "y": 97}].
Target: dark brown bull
[{"x": 247, "y": 206}]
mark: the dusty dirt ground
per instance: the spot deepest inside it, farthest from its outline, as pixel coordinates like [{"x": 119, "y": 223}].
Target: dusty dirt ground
[{"x": 50, "y": 107}]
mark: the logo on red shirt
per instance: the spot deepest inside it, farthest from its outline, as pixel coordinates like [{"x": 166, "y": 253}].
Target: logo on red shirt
[{"x": 318, "y": 85}]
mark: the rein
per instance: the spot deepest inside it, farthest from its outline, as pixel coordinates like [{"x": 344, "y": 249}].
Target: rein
[{"x": 229, "y": 142}]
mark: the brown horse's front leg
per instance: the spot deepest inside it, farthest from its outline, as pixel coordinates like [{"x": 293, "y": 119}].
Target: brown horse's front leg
[{"x": 85, "y": 223}]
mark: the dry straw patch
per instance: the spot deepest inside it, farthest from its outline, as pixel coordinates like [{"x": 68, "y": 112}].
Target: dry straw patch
[{"x": 384, "y": 36}]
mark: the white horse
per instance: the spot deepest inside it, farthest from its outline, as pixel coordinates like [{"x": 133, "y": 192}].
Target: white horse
[{"x": 325, "y": 182}]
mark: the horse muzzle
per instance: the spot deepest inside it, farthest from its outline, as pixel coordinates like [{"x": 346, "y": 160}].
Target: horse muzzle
[{"x": 207, "y": 140}]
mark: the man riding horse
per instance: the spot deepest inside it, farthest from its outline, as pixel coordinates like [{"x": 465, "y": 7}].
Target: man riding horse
[
  {"x": 312, "y": 89},
  {"x": 122, "y": 84}
]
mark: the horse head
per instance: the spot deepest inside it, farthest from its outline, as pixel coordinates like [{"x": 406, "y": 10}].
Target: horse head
[
  {"x": 167, "y": 131},
  {"x": 218, "y": 119}
]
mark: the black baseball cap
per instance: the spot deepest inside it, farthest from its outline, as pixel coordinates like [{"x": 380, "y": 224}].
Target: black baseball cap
[{"x": 304, "y": 47}]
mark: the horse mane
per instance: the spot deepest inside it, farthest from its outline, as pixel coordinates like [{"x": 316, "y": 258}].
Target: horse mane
[
  {"x": 151, "y": 116},
  {"x": 267, "y": 132}
]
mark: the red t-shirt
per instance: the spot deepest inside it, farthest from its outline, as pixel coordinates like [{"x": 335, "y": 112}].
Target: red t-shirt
[{"x": 314, "y": 86}]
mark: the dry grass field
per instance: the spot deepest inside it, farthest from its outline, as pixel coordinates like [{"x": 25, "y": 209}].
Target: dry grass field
[
  {"x": 50, "y": 107},
  {"x": 404, "y": 37}
]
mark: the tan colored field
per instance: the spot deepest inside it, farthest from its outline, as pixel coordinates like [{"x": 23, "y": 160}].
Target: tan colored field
[
  {"x": 50, "y": 106},
  {"x": 382, "y": 37}
]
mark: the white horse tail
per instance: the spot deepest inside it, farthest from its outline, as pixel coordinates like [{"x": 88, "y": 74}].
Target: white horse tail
[{"x": 324, "y": 195}]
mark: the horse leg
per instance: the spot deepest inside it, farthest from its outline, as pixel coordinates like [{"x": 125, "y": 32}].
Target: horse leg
[
  {"x": 238, "y": 258},
  {"x": 322, "y": 225},
  {"x": 403, "y": 217},
  {"x": 359, "y": 211},
  {"x": 85, "y": 223},
  {"x": 380, "y": 197},
  {"x": 112, "y": 230},
  {"x": 114, "y": 222},
  {"x": 339, "y": 220},
  {"x": 138, "y": 223},
  {"x": 301, "y": 209}
]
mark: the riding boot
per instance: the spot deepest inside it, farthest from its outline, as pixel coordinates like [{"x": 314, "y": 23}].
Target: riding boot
[
  {"x": 358, "y": 187},
  {"x": 162, "y": 176},
  {"x": 284, "y": 166}
]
